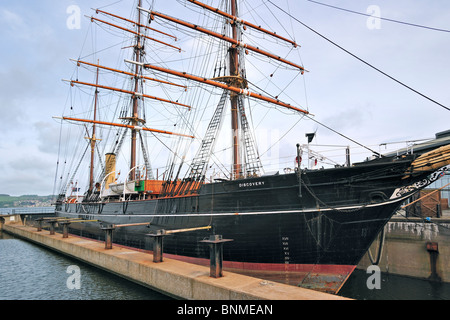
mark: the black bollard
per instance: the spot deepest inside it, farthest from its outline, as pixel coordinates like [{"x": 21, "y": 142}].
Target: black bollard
[
  {"x": 108, "y": 236},
  {"x": 65, "y": 226},
  {"x": 215, "y": 243},
  {"x": 158, "y": 245},
  {"x": 52, "y": 226},
  {"x": 39, "y": 227},
  {"x": 433, "y": 250}
]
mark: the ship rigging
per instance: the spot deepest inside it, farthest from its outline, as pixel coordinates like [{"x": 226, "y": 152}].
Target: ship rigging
[
  {"x": 245, "y": 155},
  {"x": 170, "y": 100}
]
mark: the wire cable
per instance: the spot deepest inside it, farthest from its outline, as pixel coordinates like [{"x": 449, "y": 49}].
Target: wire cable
[
  {"x": 358, "y": 58},
  {"x": 381, "y": 18}
]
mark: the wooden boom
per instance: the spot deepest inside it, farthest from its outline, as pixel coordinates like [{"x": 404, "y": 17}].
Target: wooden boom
[
  {"x": 223, "y": 37},
  {"x": 220, "y": 85},
  {"x": 135, "y": 23},
  {"x": 128, "y": 73},
  {"x": 243, "y": 22},
  {"x": 134, "y": 32},
  {"x": 72, "y": 82},
  {"x": 123, "y": 126}
]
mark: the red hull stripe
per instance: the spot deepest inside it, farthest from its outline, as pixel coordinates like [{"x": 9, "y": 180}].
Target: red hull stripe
[{"x": 331, "y": 269}]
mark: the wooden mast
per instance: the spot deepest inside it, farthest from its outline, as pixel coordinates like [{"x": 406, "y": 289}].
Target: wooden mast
[
  {"x": 135, "y": 116},
  {"x": 93, "y": 140},
  {"x": 234, "y": 98}
]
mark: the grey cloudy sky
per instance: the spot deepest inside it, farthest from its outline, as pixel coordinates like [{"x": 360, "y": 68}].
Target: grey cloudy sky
[{"x": 341, "y": 92}]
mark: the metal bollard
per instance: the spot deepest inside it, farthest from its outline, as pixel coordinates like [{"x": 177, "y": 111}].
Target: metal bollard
[
  {"x": 158, "y": 245},
  {"x": 65, "y": 226},
  {"x": 52, "y": 226},
  {"x": 39, "y": 227},
  {"x": 433, "y": 250},
  {"x": 108, "y": 236},
  {"x": 215, "y": 243}
]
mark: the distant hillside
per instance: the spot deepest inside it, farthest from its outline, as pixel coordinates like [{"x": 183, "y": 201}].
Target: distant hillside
[{"x": 7, "y": 201}]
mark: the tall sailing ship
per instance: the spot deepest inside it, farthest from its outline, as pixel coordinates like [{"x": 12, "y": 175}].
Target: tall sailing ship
[{"x": 307, "y": 227}]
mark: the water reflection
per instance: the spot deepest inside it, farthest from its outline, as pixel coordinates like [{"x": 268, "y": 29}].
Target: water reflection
[{"x": 30, "y": 272}]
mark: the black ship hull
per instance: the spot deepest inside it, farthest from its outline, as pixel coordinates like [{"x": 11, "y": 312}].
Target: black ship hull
[{"x": 310, "y": 230}]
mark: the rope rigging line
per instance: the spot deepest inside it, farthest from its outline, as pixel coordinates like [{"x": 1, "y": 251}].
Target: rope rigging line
[
  {"x": 358, "y": 58},
  {"x": 376, "y": 261},
  {"x": 344, "y": 136},
  {"x": 327, "y": 205}
]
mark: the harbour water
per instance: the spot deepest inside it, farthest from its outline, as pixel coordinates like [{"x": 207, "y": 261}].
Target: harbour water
[
  {"x": 393, "y": 287},
  {"x": 30, "y": 272}
]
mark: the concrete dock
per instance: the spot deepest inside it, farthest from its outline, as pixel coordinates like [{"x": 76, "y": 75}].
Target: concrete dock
[{"x": 174, "y": 278}]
